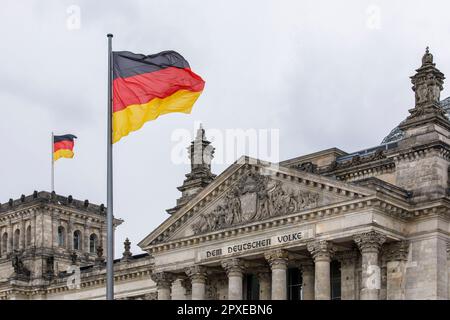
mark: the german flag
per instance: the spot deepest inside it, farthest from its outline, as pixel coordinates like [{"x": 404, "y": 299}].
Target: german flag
[
  {"x": 63, "y": 146},
  {"x": 145, "y": 87}
]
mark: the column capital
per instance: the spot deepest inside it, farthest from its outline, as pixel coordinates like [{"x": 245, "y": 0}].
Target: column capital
[
  {"x": 396, "y": 251},
  {"x": 162, "y": 279},
  {"x": 347, "y": 257},
  {"x": 369, "y": 241},
  {"x": 277, "y": 258},
  {"x": 321, "y": 250},
  {"x": 233, "y": 266},
  {"x": 196, "y": 273}
]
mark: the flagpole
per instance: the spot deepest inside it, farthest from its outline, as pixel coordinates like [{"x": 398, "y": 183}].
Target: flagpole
[
  {"x": 109, "y": 182},
  {"x": 53, "y": 162}
]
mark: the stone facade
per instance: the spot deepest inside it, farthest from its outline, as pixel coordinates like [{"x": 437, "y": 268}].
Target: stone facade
[{"x": 373, "y": 224}]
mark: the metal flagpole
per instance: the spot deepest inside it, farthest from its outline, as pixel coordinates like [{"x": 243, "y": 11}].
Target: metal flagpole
[
  {"x": 109, "y": 218},
  {"x": 53, "y": 163}
]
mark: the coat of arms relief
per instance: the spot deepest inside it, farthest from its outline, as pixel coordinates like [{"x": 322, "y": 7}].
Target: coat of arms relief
[{"x": 255, "y": 197}]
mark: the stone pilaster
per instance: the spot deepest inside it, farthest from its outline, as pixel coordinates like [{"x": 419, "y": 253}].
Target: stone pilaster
[
  {"x": 33, "y": 229},
  {"x": 321, "y": 252},
  {"x": 235, "y": 273},
  {"x": 86, "y": 237},
  {"x": 10, "y": 237},
  {"x": 163, "y": 282},
  {"x": 197, "y": 274},
  {"x": 23, "y": 232},
  {"x": 448, "y": 267},
  {"x": 348, "y": 273},
  {"x": 369, "y": 243},
  {"x": 179, "y": 288},
  {"x": 396, "y": 255},
  {"x": 278, "y": 263},
  {"x": 307, "y": 268},
  {"x": 264, "y": 285},
  {"x": 70, "y": 234}
]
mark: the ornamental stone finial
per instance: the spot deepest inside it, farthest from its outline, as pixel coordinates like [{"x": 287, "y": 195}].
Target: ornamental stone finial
[
  {"x": 127, "y": 253},
  {"x": 427, "y": 57},
  {"x": 74, "y": 258},
  {"x": 427, "y": 85},
  {"x": 369, "y": 241},
  {"x": 99, "y": 260},
  {"x": 201, "y": 153}
]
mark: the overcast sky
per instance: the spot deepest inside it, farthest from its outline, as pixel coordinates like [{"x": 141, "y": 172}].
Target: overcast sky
[{"x": 325, "y": 73}]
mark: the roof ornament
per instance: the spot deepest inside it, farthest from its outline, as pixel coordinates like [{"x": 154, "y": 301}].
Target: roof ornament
[
  {"x": 126, "y": 256},
  {"x": 427, "y": 57}
]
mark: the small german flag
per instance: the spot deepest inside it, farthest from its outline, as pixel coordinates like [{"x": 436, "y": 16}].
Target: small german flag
[
  {"x": 63, "y": 146},
  {"x": 145, "y": 87}
]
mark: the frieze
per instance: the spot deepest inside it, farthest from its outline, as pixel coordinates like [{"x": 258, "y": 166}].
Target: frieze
[{"x": 254, "y": 198}]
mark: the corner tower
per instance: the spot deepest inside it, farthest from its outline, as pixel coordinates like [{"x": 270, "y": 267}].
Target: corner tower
[
  {"x": 201, "y": 153},
  {"x": 423, "y": 162}
]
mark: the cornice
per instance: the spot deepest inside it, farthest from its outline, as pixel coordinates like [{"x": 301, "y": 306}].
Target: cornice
[
  {"x": 219, "y": 187},
  {"x": 395, "y": 209}
]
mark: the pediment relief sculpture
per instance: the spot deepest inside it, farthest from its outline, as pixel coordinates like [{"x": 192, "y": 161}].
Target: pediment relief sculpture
[{"x": 254, "y": 198}]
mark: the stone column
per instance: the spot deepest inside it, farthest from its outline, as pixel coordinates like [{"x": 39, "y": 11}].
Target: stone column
[
  {"x": 264, "y": 285},
  {"x": 178, "y": 288},
  {"x": 348, "y": 274},
  {"x": 197, "y": 274},
  {"x": 278, "y": 263},
  {"x": 369, "y": 243},
  {"x": 235, "y": 273},
  {"x": 163, "y": 282},
  {"x": 307, "y": 268},
  {"x": 396, "y": 255},
  {"x": 321, "y": 252}
]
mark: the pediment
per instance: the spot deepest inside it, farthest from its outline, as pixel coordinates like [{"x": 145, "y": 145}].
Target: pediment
[{"x": 250, "y": 193}]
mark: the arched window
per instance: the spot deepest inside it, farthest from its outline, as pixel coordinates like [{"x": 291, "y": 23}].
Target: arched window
[
  {"x": 16, "y": 239},
  {"x": 93, "y": 242},
  {"x": 4, "y": 243},
  {"x": 62, "y": 236},
  {"x": 29, "y": 236},
  {"x": 77, "y": 240}
]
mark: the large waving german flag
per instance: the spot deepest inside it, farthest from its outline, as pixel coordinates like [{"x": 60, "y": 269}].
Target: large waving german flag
[
  {"x": 63, "y": 146},
  {"x": 145, "y": 87}
]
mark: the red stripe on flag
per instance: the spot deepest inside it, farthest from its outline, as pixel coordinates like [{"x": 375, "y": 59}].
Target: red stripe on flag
[
  {"x": 66, "y": 144},
  {"x": 142, "y": 88}
]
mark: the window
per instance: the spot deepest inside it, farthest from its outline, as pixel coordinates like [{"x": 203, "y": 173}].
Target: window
[
  {"x": 4, "y": 243},
  {"x": 93, "y": 243},
  {"x": 29, "y": 236},
  {"x": 77, "y": 240},
  {"x": 62, "y": 236},
  {"x": 16, "y": 239},
  {"x": 335, "y": 274},
  {"x": 251, "y": 285},
  {"x": 294, "y": 284}
]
